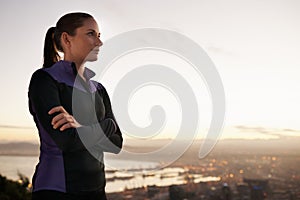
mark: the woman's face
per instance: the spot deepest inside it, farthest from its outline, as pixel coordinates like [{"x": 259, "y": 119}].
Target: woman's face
[{"x": 84, "y": 46}]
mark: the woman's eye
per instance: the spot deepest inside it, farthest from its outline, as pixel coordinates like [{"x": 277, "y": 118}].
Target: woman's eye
[{"x": 90, "y": 33}]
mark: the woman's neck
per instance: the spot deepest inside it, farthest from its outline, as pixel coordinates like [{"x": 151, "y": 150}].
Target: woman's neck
[{"x": 80, "y": 71}]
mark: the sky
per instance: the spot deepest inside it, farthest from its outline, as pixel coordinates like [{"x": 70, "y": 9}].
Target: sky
[{"x": 255, "y": 46}]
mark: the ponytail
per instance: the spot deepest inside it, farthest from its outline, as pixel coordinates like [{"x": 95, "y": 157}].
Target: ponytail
[{"x": 51, "y": 55}]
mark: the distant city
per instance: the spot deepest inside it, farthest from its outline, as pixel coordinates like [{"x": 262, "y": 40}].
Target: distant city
[
  {"x": 240, "y": 170},
  {"x": 248, "y": 170}
]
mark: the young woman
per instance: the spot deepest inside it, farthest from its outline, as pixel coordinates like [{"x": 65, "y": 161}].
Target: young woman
[{"x": 74, "y": 130}]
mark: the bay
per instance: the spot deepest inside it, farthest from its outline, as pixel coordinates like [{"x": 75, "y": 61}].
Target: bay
[
  {"x": 10, "y": 166},
  {"x": 120, "y": 174}
]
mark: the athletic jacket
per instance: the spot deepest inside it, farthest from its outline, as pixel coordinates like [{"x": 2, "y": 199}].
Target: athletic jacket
[{"x": 72, "y": 160}]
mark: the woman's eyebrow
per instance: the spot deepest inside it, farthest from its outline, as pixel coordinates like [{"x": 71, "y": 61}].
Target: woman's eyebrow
[{"x": 93, "y": 31}]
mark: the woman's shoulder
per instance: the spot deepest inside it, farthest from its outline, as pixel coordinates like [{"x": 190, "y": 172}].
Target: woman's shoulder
[
  {"x": 61, "y": 72},
  {"x": 39, "y": 74},
  {"x": 45, "y": 71},
  {"x": 41, "y": 77},
  {"x": 99, "y": 86}
]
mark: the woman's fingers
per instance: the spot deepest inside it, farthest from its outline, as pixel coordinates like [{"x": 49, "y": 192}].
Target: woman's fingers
[
  {"x": 63, "y": 120},
  {"x": 59, "y": 117},
  {"x": 57, "y": 109},
  {"x": 68, "y": 125},
  {"x": 64, "y": 123}
]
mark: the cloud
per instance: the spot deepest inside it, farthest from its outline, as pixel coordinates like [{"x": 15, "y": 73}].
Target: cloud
[
  {"x": 277, "y": 132},
  {"x": 15, "y": 127}
]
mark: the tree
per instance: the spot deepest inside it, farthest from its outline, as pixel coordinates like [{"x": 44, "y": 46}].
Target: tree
[{"x": 14, "y": 190}]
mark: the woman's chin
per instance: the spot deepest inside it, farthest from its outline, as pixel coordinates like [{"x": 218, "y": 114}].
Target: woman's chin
[{"x": 91, "y": 59}]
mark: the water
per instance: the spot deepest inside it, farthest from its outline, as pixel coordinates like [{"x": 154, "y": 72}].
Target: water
[
  {"x": 11, "y": 165},
  {"x": 128, "y": 174}
]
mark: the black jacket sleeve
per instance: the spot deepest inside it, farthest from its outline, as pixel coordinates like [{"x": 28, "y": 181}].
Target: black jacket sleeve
[
  {"x": 115, "y": 140},
  {"x": 43, "y": 95}
]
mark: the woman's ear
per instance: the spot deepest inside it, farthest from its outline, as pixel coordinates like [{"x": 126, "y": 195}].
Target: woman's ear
[{"x": 65, "y": 40}]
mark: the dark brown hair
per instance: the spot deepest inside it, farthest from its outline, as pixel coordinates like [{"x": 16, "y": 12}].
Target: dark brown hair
[{"x": 67, "y": 23}]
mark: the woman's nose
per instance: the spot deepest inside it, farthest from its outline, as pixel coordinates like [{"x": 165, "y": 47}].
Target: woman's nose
[{"x": 99, "y": 42}]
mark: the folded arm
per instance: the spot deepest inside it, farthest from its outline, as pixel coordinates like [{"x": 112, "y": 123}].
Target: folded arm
[{"x": 67, "y": 133}]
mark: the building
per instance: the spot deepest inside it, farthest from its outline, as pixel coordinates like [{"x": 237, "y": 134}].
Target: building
[{"x": 259, "y": 188}]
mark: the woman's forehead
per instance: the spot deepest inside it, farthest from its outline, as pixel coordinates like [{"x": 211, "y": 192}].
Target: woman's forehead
[{"x": 90, "y": 24}]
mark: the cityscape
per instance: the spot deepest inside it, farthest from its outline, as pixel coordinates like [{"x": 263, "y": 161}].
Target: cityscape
[
  {"x": 247, "y": 173},
  {"x": 234, "y": 170}
]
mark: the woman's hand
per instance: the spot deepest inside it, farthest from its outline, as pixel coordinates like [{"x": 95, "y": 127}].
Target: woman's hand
[{"x": 63, "y": 120}]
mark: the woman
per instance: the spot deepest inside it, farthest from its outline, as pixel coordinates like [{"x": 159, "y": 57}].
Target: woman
[{"x": 74, "y": 130}]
